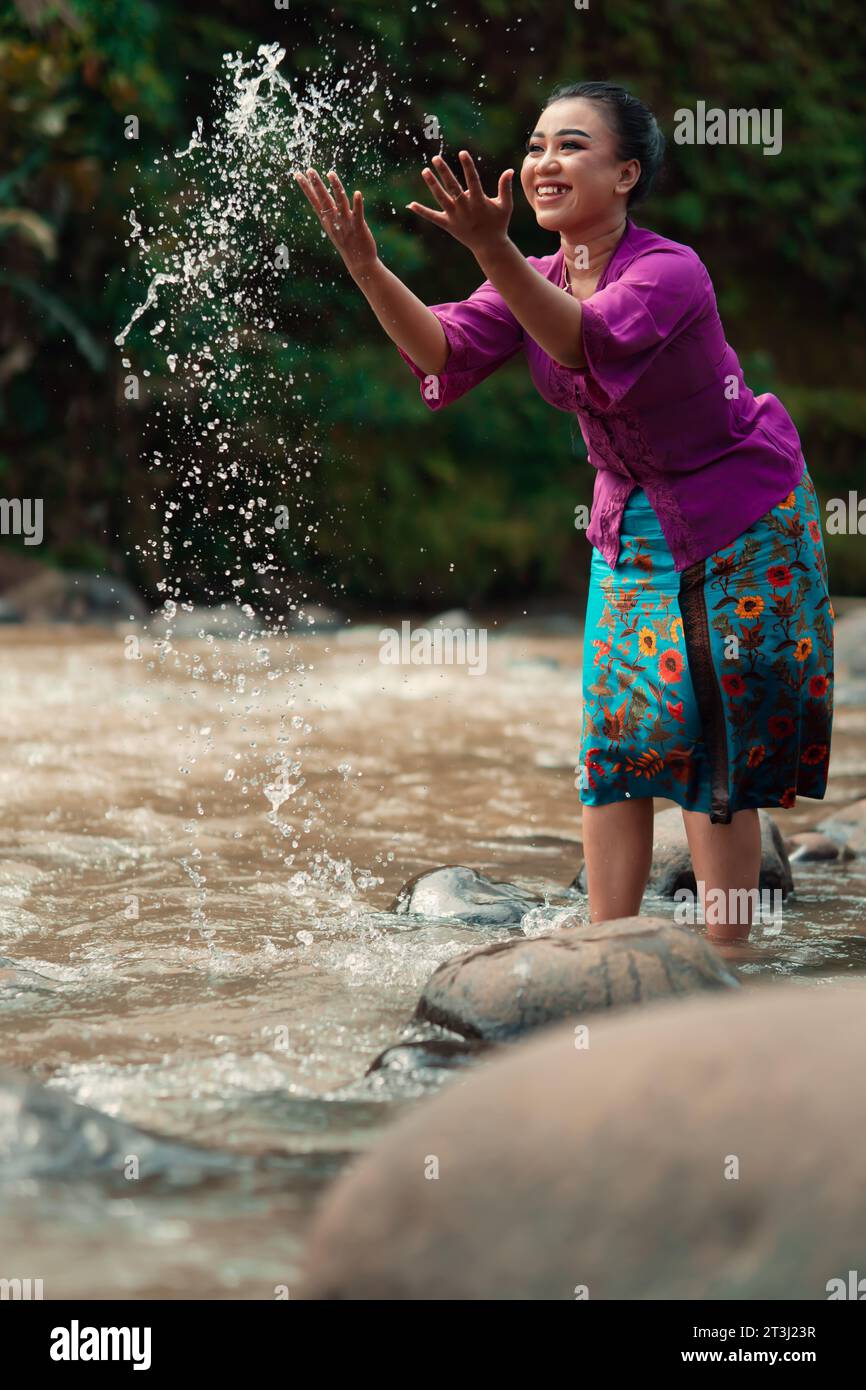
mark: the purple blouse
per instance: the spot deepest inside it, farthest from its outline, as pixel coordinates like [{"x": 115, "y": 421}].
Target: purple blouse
[{"x": 662, "y": 403}]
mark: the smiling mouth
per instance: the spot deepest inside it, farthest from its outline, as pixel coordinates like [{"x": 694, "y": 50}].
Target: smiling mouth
[{"x": 549, "y": 192}]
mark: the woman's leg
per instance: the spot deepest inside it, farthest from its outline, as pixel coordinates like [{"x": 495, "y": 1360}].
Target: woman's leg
[
  {"x": 618, "y": 848},
  {"x": 726, "y": 857}
]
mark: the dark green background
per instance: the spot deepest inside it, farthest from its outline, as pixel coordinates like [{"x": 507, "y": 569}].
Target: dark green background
[{"x": 399, "y": 495}]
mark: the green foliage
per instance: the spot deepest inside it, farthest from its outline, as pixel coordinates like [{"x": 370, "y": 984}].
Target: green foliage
[{"x": 471, "y": 503}]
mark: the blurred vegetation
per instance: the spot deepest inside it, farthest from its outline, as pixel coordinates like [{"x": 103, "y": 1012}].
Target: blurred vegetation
[{"x": 471, "y": 504}]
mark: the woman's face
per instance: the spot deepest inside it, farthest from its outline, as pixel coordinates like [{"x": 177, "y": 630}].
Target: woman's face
[{"x": 571, "y": 175}]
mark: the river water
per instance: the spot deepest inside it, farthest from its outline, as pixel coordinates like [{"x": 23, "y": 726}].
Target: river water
[{"x": 212, "y": 956}]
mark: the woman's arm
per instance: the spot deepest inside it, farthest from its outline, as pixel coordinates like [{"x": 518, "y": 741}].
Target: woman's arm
[
  {"x": 552, "y": 318},
  {"x": 408, "y": 322}
]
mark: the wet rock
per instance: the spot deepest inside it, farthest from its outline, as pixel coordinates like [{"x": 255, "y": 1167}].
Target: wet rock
[
  {"x": 501, "y": 991},
  {"x": 601, "y": 1172},
  {"x": 847, "y": 827},
  {"x": 69, "y": 596},
  {"x": 435, "y": 1054},
  {"x": 464, "y": 895},
  {"x": 428, "y": 1054},
  {"x": 672, "y": 865},
  {"x": 810, "y": 847},
  {"x": 44, "y": 1134}
]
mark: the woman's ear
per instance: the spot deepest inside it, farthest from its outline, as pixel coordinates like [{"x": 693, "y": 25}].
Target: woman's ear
[{"x": 628, "y": 176}]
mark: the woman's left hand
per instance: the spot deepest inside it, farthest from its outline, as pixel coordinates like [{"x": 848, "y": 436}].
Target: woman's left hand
[{"x": 467, "y": 213}]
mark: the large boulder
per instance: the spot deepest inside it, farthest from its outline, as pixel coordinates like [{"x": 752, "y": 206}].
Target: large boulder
[
  {"x": 501, "y": 991},
  {"x": 463, "y": 895},
  {"x": 672, "y": 864},
  {"x": 707, "y": 1150}
]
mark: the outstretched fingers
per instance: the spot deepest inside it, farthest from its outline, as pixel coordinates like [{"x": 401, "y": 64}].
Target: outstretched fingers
[
  {"x": 470, "y": 173},
  {"x": 306, "y": 188},
  {"x": 440, "y": 193},
  {"x": 323, "y": 195},
  {"x": 505, "y": 189},
  {"x": 450, "y": 181},
  {"x": 339, "y": 194},
  {"x": 439, "y": 219}
]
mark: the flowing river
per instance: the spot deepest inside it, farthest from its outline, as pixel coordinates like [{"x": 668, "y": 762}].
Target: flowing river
[{"x": 212, "y": 957}]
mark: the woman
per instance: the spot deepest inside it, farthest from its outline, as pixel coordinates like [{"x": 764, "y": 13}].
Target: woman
[{"x": 707, "y": 668}]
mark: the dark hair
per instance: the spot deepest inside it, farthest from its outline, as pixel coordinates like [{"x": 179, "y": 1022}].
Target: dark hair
[{"x": 636, "y": 127}]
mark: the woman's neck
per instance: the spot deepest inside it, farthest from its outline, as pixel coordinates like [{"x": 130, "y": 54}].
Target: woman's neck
[{"x": 587, "y": 250}]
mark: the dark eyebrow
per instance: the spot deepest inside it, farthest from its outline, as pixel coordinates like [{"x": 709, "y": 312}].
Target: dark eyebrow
[{"x": 536, "y": 133}]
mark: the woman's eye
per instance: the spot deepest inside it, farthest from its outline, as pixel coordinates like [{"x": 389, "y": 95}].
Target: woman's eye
[{"x": 566, "y": 145}]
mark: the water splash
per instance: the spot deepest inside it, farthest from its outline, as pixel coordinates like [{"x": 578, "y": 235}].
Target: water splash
[{"x": 217, "y": 258}]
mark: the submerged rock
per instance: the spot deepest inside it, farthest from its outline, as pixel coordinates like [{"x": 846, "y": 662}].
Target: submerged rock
[
  {"x": 429, "y": 1053},
  {"x": 501, "y": 991},
  {"x": 704, "y": 1151},
  {"x": 44, "y": 1134},
  {"x": 672, "y": 865},
  {"x": 423, "y": 1063},
  {"x": 460, "y": 893}
]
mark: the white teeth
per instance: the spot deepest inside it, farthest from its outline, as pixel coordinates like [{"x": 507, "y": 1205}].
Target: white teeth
[{"x": 546, "y": 189}]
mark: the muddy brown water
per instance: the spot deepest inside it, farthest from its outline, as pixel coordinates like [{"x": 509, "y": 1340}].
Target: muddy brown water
[{"x": 222, "y": 971}]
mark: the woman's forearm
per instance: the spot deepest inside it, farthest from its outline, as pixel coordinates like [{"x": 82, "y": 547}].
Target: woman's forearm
[
  {"x": 553, "y": 319},
  {"x": 408, "y": 322}
]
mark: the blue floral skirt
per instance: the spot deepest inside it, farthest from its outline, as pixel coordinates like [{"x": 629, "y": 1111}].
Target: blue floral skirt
[{"x": 713, "y": 686}]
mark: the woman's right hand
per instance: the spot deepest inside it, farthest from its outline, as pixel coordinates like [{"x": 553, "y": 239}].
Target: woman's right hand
[{"x": 344, "y": 222}]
